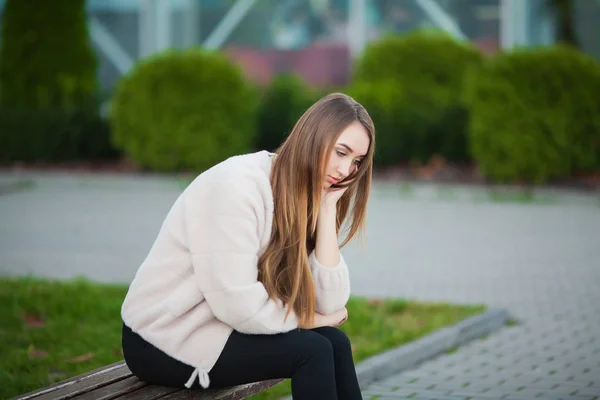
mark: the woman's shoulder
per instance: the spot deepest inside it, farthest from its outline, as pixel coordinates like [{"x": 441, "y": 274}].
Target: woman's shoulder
[{"x": 242, "y": 176}]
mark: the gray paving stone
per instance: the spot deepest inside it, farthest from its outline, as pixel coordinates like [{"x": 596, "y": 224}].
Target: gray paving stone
[
  {"x": 460, "y": 386},
  {"x": 431, "y": 394},
  {"x": 448, "y": 397},
  {"x": 479, "y": 395},
  {"x": 419, "y": 398},
  {"x": 535, "y": 385},
  {"x": 388, "y": 393},
  {"x": 588, "y": 392},
  {"x": 575, "y": 384},
  {"x": 553, "y": 396},
  {"x": 548, "y": 396},
  {"x": 411, "y": 386}
]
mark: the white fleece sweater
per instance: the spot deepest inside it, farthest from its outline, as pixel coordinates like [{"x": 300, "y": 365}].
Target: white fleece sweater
[{"x": 199, "y": 280}]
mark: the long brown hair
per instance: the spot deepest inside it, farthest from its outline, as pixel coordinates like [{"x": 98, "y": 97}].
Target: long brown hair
[{"x": 297, "y": 178}]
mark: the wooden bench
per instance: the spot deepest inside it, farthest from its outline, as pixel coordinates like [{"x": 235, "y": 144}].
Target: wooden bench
[{"x": 116, "y": 381}]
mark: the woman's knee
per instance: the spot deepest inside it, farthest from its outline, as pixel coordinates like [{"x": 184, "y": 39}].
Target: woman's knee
[
  {"x": 314, "y": 345},
  {"x": 338, "y": 339}
]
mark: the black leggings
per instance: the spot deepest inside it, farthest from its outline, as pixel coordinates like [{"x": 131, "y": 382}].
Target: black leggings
[{"x": 319, "y": 362}]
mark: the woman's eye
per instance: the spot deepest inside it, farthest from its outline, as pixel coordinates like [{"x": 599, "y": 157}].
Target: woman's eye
[
  {"x": 357, "y": 162},
  {"x": 339, "y": 153}
]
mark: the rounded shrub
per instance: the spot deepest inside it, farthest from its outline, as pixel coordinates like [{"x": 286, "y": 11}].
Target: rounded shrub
[
  {"x": 183, "y": 110},
  {"x": 382, "y": 100},
  {"x": 430, "y": 68},
  {"x": 283, "y": 101},
  {"x": 535, "y": 114}
]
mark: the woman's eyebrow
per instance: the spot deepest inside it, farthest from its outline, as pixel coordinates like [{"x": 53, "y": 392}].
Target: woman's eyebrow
[{"x": 349, "y": 149}]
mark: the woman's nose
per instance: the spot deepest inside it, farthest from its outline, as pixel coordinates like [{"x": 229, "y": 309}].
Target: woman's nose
[{"x": 344, "y": 168}]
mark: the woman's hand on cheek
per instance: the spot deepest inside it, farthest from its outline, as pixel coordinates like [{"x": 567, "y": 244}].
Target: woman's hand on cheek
[{"x": 330, "y": 196}]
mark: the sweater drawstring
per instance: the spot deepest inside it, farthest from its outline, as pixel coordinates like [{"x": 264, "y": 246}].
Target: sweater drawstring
[{"x": 202, "y": 376}]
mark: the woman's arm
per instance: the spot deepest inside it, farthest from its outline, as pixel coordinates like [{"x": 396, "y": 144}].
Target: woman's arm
[
  {"x": 327, "y": 248},
  {"x": 330, "y": 272}
]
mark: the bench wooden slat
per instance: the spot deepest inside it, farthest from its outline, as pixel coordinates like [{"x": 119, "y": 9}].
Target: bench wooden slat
[
  {"x": 150, "y": 392},
  {"x": 232, "y": 393},
  {"x": 81, "y": 384},
  {"x": 114, "y": 390}
]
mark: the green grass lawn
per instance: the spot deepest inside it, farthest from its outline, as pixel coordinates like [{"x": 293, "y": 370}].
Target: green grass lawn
[{"x": 52, "y": 330}]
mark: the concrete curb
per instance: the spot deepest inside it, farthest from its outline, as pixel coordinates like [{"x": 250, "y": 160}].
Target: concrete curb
[{"x": 408, "y": 356}]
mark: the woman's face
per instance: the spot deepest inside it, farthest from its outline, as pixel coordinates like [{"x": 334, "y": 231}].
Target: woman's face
[{"x": 347, "y": 154}]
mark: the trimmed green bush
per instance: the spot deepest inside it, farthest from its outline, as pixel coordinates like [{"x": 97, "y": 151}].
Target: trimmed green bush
[
  {"x": 47, "y": 82},
  {"x": 183, "y": 110},
  {"x": 429, "y": 67},
  {"x": 284, "y": 101},
  {"x": 535, "y": 115},
  {"x": 383, "y": 100}
]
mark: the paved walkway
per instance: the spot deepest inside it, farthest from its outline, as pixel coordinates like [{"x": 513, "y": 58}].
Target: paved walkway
[
  {"x": 541, "y": 261},
  {"x": 539, "y": 257}
]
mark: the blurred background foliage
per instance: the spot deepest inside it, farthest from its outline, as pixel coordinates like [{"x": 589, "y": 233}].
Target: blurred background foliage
[{"x": 519, "y": 105}]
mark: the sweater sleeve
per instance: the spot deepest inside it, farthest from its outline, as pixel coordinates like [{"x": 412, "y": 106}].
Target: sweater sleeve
[
  {"x": 222, "y": 227},
  {"x": 332, "y": 285}
]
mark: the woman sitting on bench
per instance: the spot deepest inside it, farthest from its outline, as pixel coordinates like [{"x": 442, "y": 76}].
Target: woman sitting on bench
[{"x": 245, "y": 281}]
